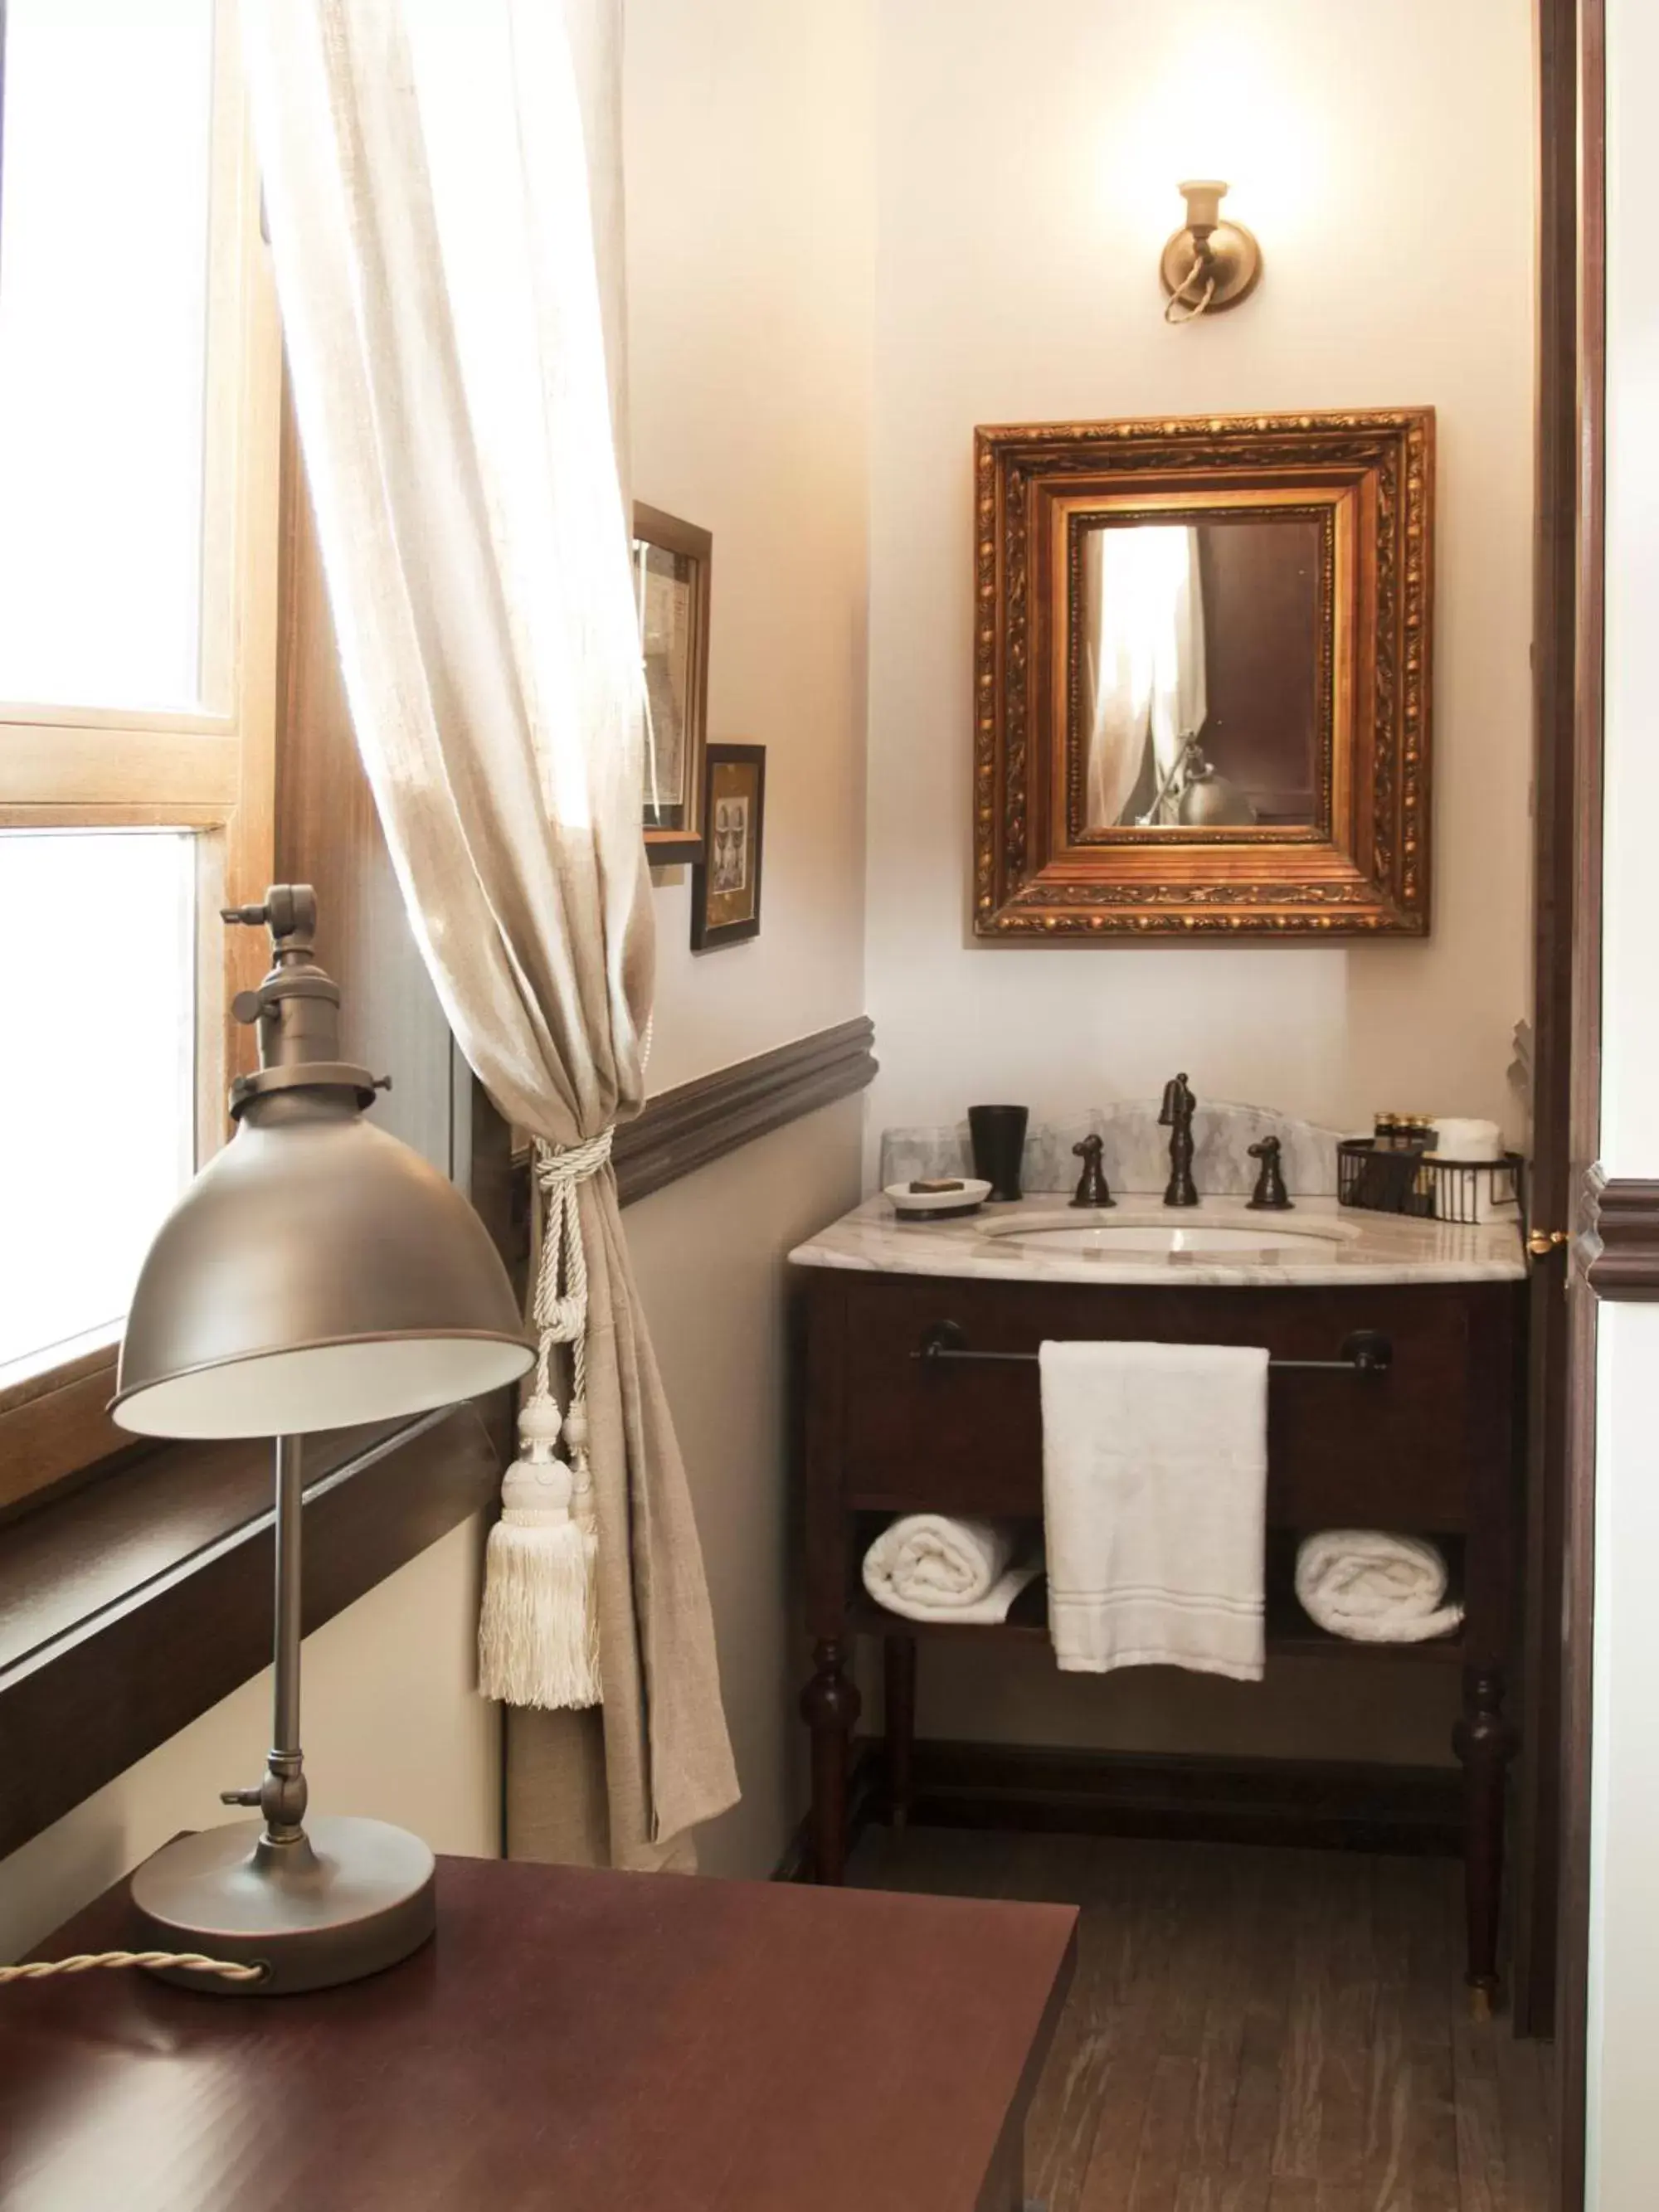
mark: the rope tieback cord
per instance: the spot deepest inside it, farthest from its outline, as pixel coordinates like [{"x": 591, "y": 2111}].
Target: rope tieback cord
[
  {"x": 560, "y": 1308},
  {"x": 84, "y": 1962}
]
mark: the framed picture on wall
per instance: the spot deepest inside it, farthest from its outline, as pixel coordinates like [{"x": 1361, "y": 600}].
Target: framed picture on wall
[
  {"x": 726, "y": 883},
  {"x": 671, "y": 564}
]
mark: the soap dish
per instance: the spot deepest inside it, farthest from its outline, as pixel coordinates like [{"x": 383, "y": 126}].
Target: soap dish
[{"x": 969, "y": 1195}]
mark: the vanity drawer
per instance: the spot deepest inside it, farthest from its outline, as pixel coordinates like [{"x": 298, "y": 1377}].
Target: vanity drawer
[{"x": 1395, "y": 1451}]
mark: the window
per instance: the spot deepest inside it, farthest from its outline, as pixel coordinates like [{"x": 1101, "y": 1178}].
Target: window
[{"x": 139, "y": 365}]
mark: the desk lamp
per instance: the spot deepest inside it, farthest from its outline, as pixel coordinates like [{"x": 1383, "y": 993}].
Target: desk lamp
[{"x": 316, "y": 1275}]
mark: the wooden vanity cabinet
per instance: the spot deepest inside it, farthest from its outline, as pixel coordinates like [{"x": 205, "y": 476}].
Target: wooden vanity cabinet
[{"x": 1430, "y": 1448}]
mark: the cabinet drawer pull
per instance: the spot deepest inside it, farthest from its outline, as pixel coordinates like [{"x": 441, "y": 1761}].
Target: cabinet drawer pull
[{"x": 1367, "y": 1353}]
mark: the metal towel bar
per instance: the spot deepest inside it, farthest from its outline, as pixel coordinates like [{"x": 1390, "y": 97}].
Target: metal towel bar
[{"x": 1367, "y": 1353}]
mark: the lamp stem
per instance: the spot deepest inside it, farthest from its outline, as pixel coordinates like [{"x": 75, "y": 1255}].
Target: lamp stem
[
  {"x": 285, "y": 1729},
  {"x": 282, "y": 1798}
]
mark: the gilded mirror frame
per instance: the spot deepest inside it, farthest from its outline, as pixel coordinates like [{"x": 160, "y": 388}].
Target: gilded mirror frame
[{"x": 1360, "y": 865}]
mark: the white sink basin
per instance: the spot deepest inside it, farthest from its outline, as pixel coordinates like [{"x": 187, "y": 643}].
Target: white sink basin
[{"x": 1130, "y": 1235}]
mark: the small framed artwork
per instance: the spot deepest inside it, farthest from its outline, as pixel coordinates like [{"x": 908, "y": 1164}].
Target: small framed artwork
[
  {"x": 726, "y": 883},
  {"x": 671, "y": 564}
]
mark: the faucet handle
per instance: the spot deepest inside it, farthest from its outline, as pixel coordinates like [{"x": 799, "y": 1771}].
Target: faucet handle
[
  {"x": 1092, "y": 1189},
  {"x": 1270, "y": 1195}
]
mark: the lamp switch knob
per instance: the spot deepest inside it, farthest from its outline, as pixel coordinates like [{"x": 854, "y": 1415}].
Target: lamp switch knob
[
  {"x": 239, "y": 1796},
  {"x": 247, "y": 1005}
]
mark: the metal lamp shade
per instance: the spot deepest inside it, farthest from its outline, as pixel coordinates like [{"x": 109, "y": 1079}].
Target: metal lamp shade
[{"x": 317, "y": 1273}]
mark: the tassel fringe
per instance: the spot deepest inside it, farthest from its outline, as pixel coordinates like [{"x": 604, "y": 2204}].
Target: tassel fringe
[{"x": 539, "y": 1634}]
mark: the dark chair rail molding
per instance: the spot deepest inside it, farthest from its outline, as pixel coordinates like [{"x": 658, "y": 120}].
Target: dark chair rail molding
[
  {"x": 685, "y": 1129},
  {"x": 698, "y": 1122},
  {"x": 1618, "y": 1239},
  {"x": 123, "y": 1620}
]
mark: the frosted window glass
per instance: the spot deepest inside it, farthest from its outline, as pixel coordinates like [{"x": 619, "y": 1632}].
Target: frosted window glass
[
  {"x": 105, "y": 129},
  {"x": 97, "y": 1041}
]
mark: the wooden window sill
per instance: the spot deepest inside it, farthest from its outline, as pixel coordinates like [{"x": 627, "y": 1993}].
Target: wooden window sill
[
  {"x": 135, "y": 1601},
  {"x": 54, "y": 1421}
]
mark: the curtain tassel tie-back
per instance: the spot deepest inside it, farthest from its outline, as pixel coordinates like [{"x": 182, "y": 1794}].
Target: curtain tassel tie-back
[{"x": 539, "y": 1632}]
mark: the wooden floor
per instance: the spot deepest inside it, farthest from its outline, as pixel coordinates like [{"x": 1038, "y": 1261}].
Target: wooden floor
[{"x": 1255, "y": 2031}]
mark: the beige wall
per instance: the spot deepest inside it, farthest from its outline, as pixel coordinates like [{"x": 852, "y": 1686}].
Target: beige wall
[
  {"x": 748, "y": 128},
  {"x": 709, "y": 1256},
  {"x": 1028, "y": 161},
  {"x": 393, "y": 1727},
  {"x": 1029, "y": 158}
]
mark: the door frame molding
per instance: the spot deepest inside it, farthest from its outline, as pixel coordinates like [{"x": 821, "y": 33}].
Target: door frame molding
[{"x": 1603, "y": 1226}]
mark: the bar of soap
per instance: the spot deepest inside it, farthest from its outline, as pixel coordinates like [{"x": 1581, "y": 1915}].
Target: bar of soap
[{"x": 925, "y": 1189}]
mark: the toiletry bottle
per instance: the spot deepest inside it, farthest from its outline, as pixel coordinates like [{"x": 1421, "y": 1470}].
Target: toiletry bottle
[{"x": 1423, "y": 1184}]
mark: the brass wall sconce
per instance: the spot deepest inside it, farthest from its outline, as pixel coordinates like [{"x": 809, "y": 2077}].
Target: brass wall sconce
[{"x": 1210, "y": 265}]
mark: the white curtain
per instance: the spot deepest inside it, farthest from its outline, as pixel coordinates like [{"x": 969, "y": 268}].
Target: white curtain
[
  {"x": 426, "y": 178},
  {"x": 1143, "y": 660}
]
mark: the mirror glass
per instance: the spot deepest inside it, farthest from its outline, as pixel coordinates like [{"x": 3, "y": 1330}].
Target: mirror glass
[
  {"x": 1198, "y": 667},
  {"x": 663, "y": 587}
]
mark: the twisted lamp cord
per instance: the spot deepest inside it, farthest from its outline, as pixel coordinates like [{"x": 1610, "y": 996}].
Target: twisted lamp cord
[
  {"x": 83, "y": 1962},
  {"x": 1182, "y": 297}
]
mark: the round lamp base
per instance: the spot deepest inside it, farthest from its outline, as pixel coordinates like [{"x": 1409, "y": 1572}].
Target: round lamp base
[{"x": 350, "y": 1898}]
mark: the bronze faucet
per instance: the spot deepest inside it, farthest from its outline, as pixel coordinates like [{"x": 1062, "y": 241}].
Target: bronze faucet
[
  {"x": 1270, "y": 1195},
  {"x": 1092, "y": 1189},
  {"x": 1179, "y": 1106}
]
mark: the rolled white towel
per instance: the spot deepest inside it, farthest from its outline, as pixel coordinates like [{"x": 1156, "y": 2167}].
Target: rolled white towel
[
  {"x": 1373, "y": 1587},
  {"x": 1462, "y": 1138},
  {"x": 929, "y": 1567}
]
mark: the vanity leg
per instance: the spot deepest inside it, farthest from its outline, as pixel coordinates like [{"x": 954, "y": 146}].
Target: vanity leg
[
  {"x": 1483, "y": 1741},
  {"x": 829, "y": 1707},
  {"x": 899, "y": 1678}
]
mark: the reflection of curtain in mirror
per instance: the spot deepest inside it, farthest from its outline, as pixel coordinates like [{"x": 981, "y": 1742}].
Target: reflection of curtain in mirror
[{"x": 1144, "y": 643}]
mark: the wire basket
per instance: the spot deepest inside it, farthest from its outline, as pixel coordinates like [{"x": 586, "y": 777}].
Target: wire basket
[{"x": 1407, "y": 1179}]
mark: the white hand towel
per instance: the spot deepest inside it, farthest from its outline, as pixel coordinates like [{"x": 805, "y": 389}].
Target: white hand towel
[
  {"x": 929, "y": 1567},
  {"x": 1375, "y": 1588},
  {"x": 1154, "y": 1485}
]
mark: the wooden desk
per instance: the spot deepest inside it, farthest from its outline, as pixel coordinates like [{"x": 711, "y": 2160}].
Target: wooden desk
[{"x": 584, "y": 2041}]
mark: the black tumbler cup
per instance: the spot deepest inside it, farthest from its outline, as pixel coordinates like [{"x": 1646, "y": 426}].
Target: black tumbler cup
[{"x": 999, "y": 1140}]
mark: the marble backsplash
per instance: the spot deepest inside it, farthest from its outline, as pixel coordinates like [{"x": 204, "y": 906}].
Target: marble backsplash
[{"x": 1136, "y": 1150}]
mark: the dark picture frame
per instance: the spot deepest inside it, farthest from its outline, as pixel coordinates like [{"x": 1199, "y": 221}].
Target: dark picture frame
[
  {"x": 725, "y": 880},
  {"x": 673, "y": 562}
]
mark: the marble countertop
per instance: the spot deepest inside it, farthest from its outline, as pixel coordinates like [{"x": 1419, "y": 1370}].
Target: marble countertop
[{"x": 1349, "y": 1245}]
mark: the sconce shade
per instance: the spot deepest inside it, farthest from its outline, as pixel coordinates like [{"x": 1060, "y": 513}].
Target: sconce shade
[
  {"x": 1203, "y": 196},
  {"x": 316, "y": 1273}
]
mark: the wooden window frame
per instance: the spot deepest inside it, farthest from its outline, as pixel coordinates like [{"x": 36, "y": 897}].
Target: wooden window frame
[{"x": 211, "y": 771}]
